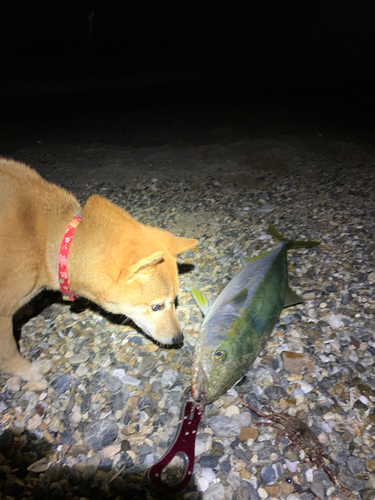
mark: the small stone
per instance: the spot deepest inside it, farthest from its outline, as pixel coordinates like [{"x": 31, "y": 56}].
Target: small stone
[
  {"x": 40, "y": 466},
  {"x": 34, "y": 422},
  {"x": 225, "y": 426},
  {"x": 267, "y": 208},
  {"x": 75, "y": 417},
  {"x": 244, "y": 418},
  {"x": 79, "y": 358},
  {"x": 309, "y": 475},
  {"x": 351, "y": 482},
  {"x": 232, "y": 410},
  {"x": 151, "y": 347},
  {"x": 208, "y": 473},
  {"x": 268, "y": 475},
  {"x": 311, "y": 313},
  {"x": 14, "y": 384},
  {"x": 111, "y": 450},
  {"x": 100, "y": 434},
  {"x": 200, "y": 447},
  {"x": 202, "y": 484},
  {"x": 169, "y": 377},
  {"x": 334, "y": 322},
  {"x": 214, "y": 491},
  {"x": 248, "y": 433},
  {"x": 291, "y": 466},
  {"x": 274, "y": 392},
  {"x": 61, "y": 383},
  {"x": 36, "y": 385},
  {"x": 81, "y": 371},
  {"x": 225, "y": 466},
  {"x": 208, "y": 461},
  {"x": 278, "y": 468},
  {"x": 297, "y": 362},
  {"x": 318, "y": 490},
  {"x": 286, "y": 489},
  {"x": 125, "y": 379},
  {"x": 113, "y": 384},
  {"x": 371, "y": 277},
  {"x": 273, "y": 491},
  {"x": 356, "y": 465},
  {"x": 262, "y": 493},
  {"x": 370, "y": 465},
  {"x": 27, "y": 401}
]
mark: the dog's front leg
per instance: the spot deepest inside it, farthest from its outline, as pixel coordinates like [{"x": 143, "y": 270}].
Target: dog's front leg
[{"x": 12, "y": 361}]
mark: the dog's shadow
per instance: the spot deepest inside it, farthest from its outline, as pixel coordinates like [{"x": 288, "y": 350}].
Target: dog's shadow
[
  {"x": 47, "y": 298},
  {"x": 184, "y": 268}
]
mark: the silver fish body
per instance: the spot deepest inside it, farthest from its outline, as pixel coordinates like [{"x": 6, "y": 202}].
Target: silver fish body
[{"x": 238, "y": 324}]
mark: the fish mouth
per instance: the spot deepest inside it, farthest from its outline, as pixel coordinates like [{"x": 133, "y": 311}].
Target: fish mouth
[{"x": 198, "y": 388}]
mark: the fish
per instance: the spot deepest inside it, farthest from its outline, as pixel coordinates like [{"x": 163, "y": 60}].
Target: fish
[{"x": 238, "y": 324}]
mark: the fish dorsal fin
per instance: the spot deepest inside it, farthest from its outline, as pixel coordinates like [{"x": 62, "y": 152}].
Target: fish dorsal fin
[
  {"x": 291, "y": 298},
  {"x": 201, "y": 300},
  {"x": 235, "y": 304}
]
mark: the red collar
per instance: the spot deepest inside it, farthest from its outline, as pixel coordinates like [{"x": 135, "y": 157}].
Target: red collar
[{"x": 63, "y": 260}]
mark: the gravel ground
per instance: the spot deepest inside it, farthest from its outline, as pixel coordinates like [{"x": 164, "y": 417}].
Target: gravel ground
[{"x": 110, "y": 408}]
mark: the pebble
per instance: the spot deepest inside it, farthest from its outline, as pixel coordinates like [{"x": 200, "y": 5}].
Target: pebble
[
  {"x": 356, "y": 465},
  {"x": 291, "y": 466},
  {"x": 214, "y": 492},
  {"x": 13, "y": 384},
  {"x": 294, "y": 362},
  {"x": 203, "y": 484},
  {"x": 268, "y": 475},
  {"x": 61, "y": 383},
  {"x": 318, "y": 490},
  {"x": 225, "y": 426},
  {"x": 34, "y": 422},
  {"x": 100, "y": 434},
  {"x": 79, "y": 358},
  {"x": 168, "y": 378}
]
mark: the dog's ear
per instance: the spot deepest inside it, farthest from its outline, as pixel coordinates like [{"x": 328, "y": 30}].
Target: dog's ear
[
  {"x": 175, "y": 244},
  {"x": 145, "y": 264}
]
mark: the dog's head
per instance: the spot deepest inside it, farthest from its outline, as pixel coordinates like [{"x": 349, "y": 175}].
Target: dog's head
[
  {"x": 146, "y": 292},
  {"x": 134, "y": 272}
]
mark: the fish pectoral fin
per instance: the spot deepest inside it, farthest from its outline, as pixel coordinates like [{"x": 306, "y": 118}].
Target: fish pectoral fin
[
  {"x": 201, "y": 300},
  {"x": 291, "y": 298},
  {"x": 237, "y": 302}
]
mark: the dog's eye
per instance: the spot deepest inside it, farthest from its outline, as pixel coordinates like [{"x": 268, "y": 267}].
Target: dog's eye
[{"x": 157, "y": 307}]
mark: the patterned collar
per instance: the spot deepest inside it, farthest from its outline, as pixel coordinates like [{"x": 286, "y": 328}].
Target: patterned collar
[{"x": 63, "y": 260}]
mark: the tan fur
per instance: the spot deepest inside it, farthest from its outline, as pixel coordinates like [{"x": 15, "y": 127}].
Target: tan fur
[{"x": 115, "y": 261}]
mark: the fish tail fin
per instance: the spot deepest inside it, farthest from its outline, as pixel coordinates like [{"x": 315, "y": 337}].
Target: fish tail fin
[{"x": 291, "y": 243}]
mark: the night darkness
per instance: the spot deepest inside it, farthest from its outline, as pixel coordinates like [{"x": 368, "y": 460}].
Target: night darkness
[{"x": 187, "y": 47}]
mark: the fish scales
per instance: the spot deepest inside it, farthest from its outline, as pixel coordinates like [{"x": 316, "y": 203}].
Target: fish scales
[
  {"x": 250, "y": 276},
  {"x": 238, "y": 324}
]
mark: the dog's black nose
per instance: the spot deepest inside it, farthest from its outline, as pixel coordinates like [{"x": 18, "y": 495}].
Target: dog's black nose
[{"x": 178, "y": 338}]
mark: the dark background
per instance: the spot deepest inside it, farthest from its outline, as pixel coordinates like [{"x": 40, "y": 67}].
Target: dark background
[{"x": 151, "y": 49}]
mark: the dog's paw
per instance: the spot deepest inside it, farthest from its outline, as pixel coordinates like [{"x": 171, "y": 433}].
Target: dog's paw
[
  {"x": 40, "y": 368},
  {"x": 35, "y": 370}
]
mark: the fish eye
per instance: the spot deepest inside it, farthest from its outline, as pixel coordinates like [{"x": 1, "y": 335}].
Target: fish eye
[
  {"x": 220, "y": 354},
  {"x": 158, "y": 307}
]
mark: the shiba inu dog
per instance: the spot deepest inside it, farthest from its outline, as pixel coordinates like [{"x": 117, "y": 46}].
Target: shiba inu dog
[{"x": 47, "y": 240}]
